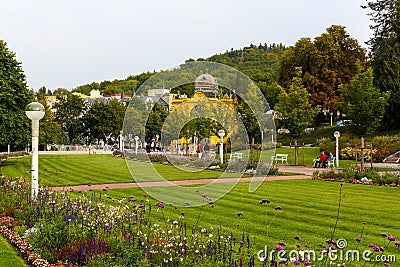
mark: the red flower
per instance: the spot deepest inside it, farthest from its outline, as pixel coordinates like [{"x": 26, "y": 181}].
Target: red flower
[{"x": 127, "y": 236}]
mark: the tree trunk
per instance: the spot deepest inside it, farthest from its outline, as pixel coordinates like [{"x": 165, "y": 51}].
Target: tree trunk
[{"x": 362, "y": 152}]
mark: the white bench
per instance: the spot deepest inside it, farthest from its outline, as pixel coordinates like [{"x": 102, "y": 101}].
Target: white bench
[
  {"x": 211, "y": 154},
  {"x": 331, "y": 162},
  {"x": 236, "y": 156},
  {"x": 279, "y": 157}
]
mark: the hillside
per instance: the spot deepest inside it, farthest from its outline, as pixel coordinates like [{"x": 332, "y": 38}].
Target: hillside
[{"x": 259, "y": 63}]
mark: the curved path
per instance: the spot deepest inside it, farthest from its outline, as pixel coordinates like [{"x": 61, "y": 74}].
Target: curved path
[{"x": 301, "y": 173}]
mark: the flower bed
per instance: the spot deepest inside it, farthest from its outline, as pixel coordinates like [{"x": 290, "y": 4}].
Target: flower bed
[
  {"x": 82, "y": 229},
  {"x": 357, "y": 176}
]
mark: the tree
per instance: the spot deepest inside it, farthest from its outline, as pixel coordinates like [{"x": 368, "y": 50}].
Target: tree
[
  {"x": 14, "y": 97},
  {"x": 384, "y": 15},
  {"x": 70, "y": 109},
  {"x": 61, "y": 91},
  {"x": 326, "y": 62},
  {"x": 155, "y": 122},
  {"x": 50, "y": 131},
  {"x": 41, "y": 93},
  {"x": 385, "y": 53},
  {"x": 295, "y": 110},
  {"x": 103, "y": 121},
  {"x": 363, "y": 104}
]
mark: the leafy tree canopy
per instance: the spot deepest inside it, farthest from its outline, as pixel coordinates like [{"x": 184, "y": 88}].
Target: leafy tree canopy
[
  {"x": 385, "y": 53},
  {"x": 14, "y": 97},
  {"x": 327, "y": 61},
  {"x": 363, "y": 103}
]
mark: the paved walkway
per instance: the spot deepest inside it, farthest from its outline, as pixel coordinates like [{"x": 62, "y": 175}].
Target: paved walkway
[{"x": 299, "y": 173}]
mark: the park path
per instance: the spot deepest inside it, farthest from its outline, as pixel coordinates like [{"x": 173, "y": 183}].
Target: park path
[{"x": 301, "y": 173}]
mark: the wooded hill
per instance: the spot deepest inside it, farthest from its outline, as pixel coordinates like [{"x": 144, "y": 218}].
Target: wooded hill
[{"x": 260, "y": 63}]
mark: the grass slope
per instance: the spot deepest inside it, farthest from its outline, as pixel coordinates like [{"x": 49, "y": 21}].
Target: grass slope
[
  {"x": 59, "y": 170},
  {"x": 8, "y": 256},
  {"x": 309, "y": 210}
]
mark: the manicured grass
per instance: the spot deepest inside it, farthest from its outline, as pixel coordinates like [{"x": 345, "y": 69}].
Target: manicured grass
[
  {"x": 68, "y": 170},
  {"x": 8, "y": 255},
  {"x": 309, "y": 210}
]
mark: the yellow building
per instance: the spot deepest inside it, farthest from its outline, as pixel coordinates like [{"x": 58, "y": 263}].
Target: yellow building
[{"x": 205, "y": 87}]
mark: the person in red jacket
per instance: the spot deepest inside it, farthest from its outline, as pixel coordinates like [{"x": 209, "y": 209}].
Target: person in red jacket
[{"x": 321, "y": 161}]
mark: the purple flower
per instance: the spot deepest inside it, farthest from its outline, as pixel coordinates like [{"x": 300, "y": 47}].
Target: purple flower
[
  {"x": 239, "y": 213},
  {"x": 298, "y": 245},
  {"x": 364, "y": 223},
  {"x": 391, "y": 238},
  {"x": 397, "y": 244},
  {"x": 297, "y": 237},
  {"x": 278, "y": 248},
  {"x": 341, "y": 184},
  {"x": 358, "y": 239},
  {"x": 306, "y": 262},
  {"x": 281, "y": 243},
  {"x": 384, "y": 234},
  {"x": 307, "y": 245},
  {"x": 278, "y": 208},
  {"x": 160, "y": 205},
  {"x": 264, "y": 200},
  {"x": 296, "y": 262},
  {"x": 182, "y": 213},
  {"x": 204, "y": 195}
]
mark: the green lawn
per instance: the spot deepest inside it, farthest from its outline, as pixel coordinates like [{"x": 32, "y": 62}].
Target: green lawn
[
  {"x": 68, "y": 170},
  {"x": 8, "y": 256},
  {"x": 309, "y": 210},
  {"x": 59, "y": 170}
]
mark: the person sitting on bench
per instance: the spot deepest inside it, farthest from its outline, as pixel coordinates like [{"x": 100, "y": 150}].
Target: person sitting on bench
[{"x": 321, "y": 162}]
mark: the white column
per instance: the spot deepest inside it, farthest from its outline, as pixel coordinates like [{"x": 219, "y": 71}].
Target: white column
[
  {"x": 221, "y": 150},
  {"x": 35, "y": 158}
]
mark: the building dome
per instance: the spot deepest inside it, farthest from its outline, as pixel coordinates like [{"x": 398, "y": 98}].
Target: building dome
[{"x": 207, "y": 84}]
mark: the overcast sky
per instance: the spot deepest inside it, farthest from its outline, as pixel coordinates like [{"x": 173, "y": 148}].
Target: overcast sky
[{"x": 66, "y": 43}]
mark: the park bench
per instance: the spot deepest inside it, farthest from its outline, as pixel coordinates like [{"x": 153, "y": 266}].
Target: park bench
[
  {"x": 331, "y": 163},
  {"x": 211, "y": 154},
  {"x": 236, "y": 156},
  {"x": 279, "y": 157}
]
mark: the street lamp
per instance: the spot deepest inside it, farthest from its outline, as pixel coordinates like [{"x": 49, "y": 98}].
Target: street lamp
[
  {"x": 121, "y": 141},
  {"x": 221, "y": 134},
  {"x": 35, "y": 111},
  {"x": 136, "y": 144},
  {"x": 336, "y": 134}
]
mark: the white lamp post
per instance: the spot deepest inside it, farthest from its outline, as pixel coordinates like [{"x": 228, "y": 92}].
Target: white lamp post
[
  {"x": 136, "y": 144},
  {"x": 121, "y": 141},
  {"x": 221, "y": 134},
  {"x": 336, "y": 134},
  {"x": 35, "y": 111}
]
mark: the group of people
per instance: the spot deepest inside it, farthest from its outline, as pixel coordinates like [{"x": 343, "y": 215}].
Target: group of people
[
  {"x": 202, "y": 149},
  {"x": 322, "y": 160}
]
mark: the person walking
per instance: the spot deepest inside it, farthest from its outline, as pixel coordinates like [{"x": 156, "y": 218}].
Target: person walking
[{"x": 200, "y": 150}]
